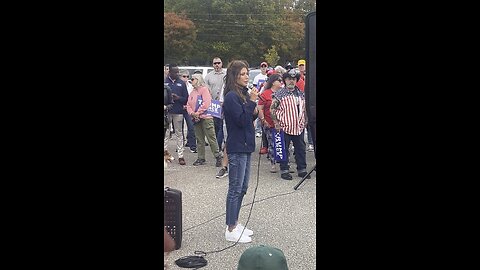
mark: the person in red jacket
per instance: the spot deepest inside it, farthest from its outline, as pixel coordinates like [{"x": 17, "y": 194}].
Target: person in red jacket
[{"x": 271, "y": 86}]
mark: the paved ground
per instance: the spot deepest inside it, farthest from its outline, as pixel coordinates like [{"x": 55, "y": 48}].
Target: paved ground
[{"x": 281, "y": 217}]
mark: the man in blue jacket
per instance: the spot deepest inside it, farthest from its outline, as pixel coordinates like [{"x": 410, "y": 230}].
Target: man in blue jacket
[{"x": 175, "y": 114}]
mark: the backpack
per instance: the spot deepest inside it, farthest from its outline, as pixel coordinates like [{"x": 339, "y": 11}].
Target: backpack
[
  {"x": 167, "y": 101},
  {"x": 167, "y": 95}
]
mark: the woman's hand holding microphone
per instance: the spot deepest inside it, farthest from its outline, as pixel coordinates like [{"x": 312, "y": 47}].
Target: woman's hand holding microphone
[{"x": 253, "y": 94}]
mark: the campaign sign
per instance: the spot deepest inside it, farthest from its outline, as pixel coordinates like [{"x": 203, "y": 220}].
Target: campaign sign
[
  {"x": 260, "y": 83},
  {"x": 279, "y": 145},
  {"x": 214, "y": 110}
]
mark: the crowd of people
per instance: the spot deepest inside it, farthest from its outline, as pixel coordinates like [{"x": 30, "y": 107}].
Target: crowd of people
[
  {"x": 275, "y": 104},
  {"x": 275, "y": 101},
  {"x": 203, "y": 129}
]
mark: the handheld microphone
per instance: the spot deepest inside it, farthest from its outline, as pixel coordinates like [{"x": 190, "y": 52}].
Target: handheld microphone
[{"x": 250, "y": 87}]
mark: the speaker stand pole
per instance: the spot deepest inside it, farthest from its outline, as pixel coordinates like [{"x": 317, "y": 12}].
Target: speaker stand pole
[{"x": 305, "y": 177}]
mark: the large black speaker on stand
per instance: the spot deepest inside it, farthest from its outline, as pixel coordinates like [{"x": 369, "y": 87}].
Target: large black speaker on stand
[
  {"x": 311, "y": 78},
  {"x": 311, "y": 81}
]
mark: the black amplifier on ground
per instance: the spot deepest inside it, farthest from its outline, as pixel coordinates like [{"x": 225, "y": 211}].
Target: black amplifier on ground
[{"x": 172, "y": 199}]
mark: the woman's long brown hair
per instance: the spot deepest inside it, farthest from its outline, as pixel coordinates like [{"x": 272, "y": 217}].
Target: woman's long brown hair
[{"x": 233, "y": 72}]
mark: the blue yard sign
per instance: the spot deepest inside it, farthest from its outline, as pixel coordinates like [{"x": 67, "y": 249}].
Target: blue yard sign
[
  {"x": 214, "y": 110},
  {"x": 279, "y": 145}
]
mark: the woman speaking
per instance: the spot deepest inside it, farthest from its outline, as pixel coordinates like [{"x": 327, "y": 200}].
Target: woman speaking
[{"x": 239, "y": 108}]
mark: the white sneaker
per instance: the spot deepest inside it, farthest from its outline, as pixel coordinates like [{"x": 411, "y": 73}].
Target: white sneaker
[
  {"x": 234, "y": 235},
  {"x": 240, "y": 227},
  {"x": 247, "y": 231}
]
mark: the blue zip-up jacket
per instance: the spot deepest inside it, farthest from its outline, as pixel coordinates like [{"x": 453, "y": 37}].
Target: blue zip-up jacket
[
  {"x": 180, "y": 88},
  {"x": 239, "y": 122}
]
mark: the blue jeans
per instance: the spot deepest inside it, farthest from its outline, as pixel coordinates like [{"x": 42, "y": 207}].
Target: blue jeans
[
  {"x": 191, "y": 140},
  {"x": 218, "y": 122},
  {"x": 238, "y": 177},
  {"x": 268, "y": 133},
  {"x": 258, "y": 126},
  {"x": 300, "y": 154}
]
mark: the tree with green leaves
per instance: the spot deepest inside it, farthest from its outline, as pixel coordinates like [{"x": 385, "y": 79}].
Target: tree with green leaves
[
  {"x": 243, "y": 29},
  {"x": 272, "y": 56},
  {"x": 178, "y": 38}
]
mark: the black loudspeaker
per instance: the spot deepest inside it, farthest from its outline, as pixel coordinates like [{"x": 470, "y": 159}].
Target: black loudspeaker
[
  {"x": 172, "y": 199},
  {"x": 311, "y": 77}
]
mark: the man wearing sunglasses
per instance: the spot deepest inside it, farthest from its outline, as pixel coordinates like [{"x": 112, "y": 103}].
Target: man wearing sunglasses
[
  {"x": 262, "y": 76},
  {"x": 215, "y": 81}
]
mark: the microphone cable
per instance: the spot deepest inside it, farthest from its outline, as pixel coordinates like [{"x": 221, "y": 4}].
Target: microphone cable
[
  {"x": 199, "y": 261},
  {"x": 223, "y": 214}
]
